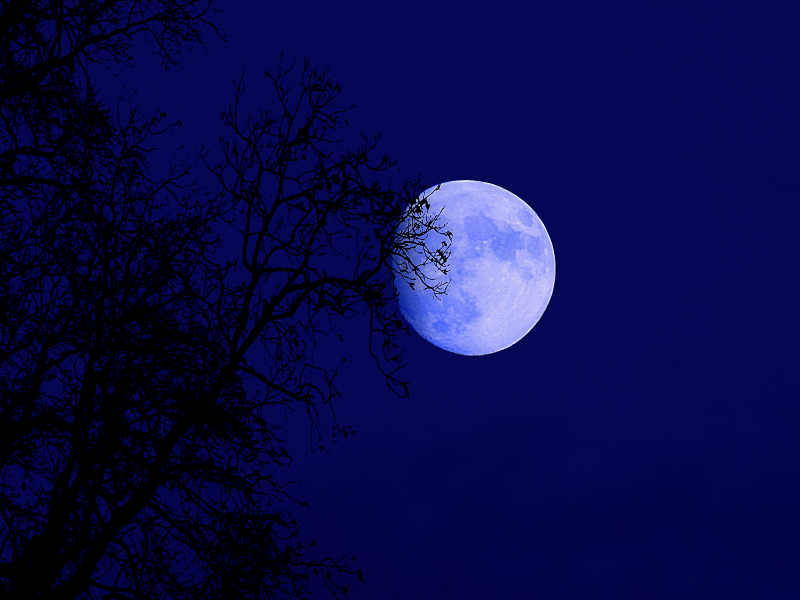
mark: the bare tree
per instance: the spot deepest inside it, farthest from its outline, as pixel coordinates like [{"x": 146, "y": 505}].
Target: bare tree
[{"x": 129, "y": 442}]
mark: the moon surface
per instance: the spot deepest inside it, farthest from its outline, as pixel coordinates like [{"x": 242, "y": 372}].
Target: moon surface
[{"x": 502, "y": 270}]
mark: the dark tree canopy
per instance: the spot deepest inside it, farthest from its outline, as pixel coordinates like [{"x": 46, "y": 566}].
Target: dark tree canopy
[{"x": 129, "y": 442}]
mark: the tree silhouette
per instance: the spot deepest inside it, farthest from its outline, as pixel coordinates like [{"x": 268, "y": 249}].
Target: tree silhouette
[{"x": 129, "y": 443}]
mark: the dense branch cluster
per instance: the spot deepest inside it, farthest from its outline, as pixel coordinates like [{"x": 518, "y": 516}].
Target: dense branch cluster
[{"x": 130, "y": 447}]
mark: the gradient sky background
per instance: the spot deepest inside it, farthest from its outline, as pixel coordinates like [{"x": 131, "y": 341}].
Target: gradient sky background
[{"x": 642, "y": 442}]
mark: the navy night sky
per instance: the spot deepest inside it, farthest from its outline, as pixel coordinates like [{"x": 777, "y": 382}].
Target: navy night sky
[{"x": 643, "y": 440}]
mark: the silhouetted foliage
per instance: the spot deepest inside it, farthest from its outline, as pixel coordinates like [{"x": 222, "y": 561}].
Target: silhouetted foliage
[{"x": 129, "y": 444}]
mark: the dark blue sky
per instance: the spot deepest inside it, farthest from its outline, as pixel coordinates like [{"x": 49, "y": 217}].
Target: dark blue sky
[{"x": 642, "y": 441}]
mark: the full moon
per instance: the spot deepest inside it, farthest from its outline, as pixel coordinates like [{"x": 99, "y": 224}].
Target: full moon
[{"x": 502, "y": 270}]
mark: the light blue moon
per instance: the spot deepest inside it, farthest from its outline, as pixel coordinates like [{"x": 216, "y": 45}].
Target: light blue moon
[{"x": 502, "y": 269}]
